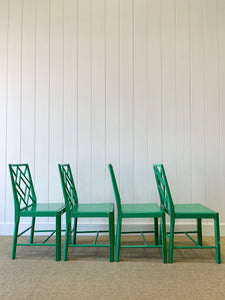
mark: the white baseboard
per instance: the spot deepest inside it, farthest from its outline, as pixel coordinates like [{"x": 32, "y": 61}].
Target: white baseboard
[{"x": 208, "y": 228}]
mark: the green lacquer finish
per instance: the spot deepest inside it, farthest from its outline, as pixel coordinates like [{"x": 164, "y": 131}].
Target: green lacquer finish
[
  {"x": 98, "y": 209},
  {"x": 43, "y": 209},
  {"x": 75, "y": 210},
  {"x": 195, "y": 210},
  {"x": 140, "y": 210},
  {"x": 185, "y": 211},
  {"x": 25, "y": 204}
]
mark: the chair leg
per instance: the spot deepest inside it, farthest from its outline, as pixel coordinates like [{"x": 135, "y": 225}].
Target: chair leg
[
  {"x": 111, "y": 237},
  {"x": 67, "y": 234},
  {"x": 156, "y": 231},
  {"x": 118, "y": 236},
  {"x": 217, "y": 238},
  {"x": 75, "y": 231},
  {"x": 15, "y": 234},
  {"x": 172, "y": 225},
  {"x": 32, "y": 230},
  {"x": 199, "y": 231},
  {"x": 163, "y": 238},
  {"x": 70, "y": 239},
  {"x": 58, "y": 237},
  {"x": 160, "y": 233}
]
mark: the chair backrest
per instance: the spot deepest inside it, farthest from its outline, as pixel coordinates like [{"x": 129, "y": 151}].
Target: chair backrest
[
  {"x": 68, "y": 186},
  {"x": 163, "y": 189},
  {"x": 22, "y": 186},
  {"x": 115, "y": 188}
]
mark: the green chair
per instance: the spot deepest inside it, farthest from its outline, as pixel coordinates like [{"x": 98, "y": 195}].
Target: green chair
[
  {"x": 185, "y": 211},
  {"x": 26, "y": 205},
  {"x": 139, "y": 210},
  {"x": 75, "y": 210}
]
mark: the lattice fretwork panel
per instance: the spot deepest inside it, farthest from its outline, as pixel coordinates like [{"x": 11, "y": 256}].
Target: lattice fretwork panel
[
  {"x": 69, "y": 186},
  {"x": 23, "y": 185}
]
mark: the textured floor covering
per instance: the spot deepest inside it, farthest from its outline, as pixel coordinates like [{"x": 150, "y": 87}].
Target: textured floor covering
[{"x": 87, "y": 274}]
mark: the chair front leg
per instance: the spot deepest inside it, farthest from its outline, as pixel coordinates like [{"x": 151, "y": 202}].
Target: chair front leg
[
  {"x": 217, "y": 238},
  {"x": 58, "y": 237},
  {"x": 15, "y": 235},
  {"x": 32, "y": 230},
  {"x": 172, "y": 225},
  {"x": 156, "y": 231},
  {"x": 118, "y": 237},
  {"x": 199, "y": 231},
  {"x": 75, "y": 231},
  {"x": 111, "y": 236}
]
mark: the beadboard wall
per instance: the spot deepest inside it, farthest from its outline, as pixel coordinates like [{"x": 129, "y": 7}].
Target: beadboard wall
[{"x": 130, "y": 82}]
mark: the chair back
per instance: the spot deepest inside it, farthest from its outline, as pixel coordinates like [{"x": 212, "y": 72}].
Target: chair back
[
  {"x": 68, "y": 186},
  {"x": 22, "y": 186},
  {"x": 115, "y": 188},
  {"x": 163, "y": 189}
]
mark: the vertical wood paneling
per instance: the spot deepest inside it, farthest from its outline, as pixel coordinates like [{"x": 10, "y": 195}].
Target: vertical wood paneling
[
  {"x": 198, "y": 148},
  {"x": 221, "y": 30},
  {"x": 183, "y": 101},
  {"x": 98, "y": 172},
  {"x": 56, "y": 129},
  {"x": 212, "y": 107},
  {"x": 126, "y": 101},
  {"x": 112, "y": 90},
  {"x": 13, "y": 96},
  {"x": 140, "y": 102},
  {"x": 169, "y": 101},
  {"x": 28, "y": 83},
  {"x": 42, "y": 101},
  {"x": 70, "y": 84},
  {"x": 131, "y": 82},
  {"x": 4, "y": 18},
  {"x": 84, "y": 100},
  {"x": 154, "y": 92}
]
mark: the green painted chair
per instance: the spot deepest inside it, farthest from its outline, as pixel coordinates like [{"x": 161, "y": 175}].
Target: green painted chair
[
  {"x": 139, "y": 210},
  {"x": 25, "y": 204},
  {"x": 75, "y": 210},
  {"x": 185, "y": 211}
]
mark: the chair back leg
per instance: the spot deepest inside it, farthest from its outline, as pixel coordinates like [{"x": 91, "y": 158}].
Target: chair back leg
[
  {"x": 111, "y": 237},
  {"x": 118, "y": 237},
  {"x": 66, "y": 243},
  {"x": 163, "y": 238}
]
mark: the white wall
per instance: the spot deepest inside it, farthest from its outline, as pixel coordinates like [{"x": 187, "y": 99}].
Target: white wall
[{"x": 131, "y": 82}]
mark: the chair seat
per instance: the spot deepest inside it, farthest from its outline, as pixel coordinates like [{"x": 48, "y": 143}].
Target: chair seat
[
  {"x": 146, "y": 210},
  {"x": 194, "y": 210},
  {"x": 43, "y": 209},
  {"x": 92, "y": 210}
]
